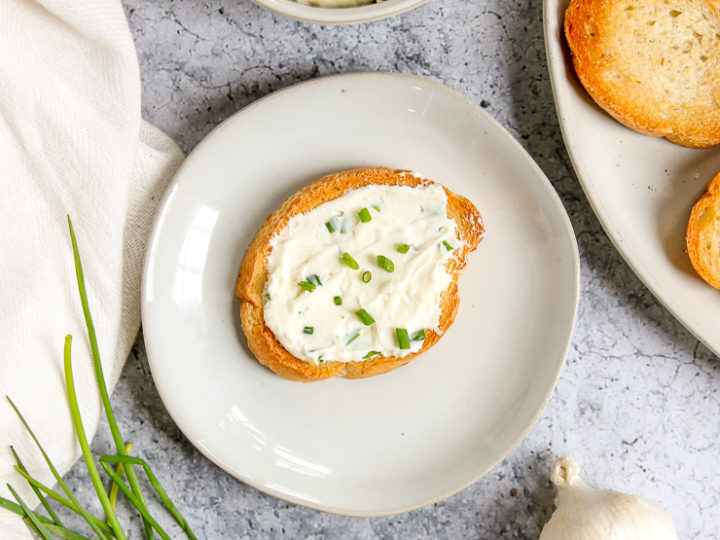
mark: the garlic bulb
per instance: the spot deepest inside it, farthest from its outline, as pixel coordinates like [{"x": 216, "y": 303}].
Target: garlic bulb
[{"x": 584, "y": 513}]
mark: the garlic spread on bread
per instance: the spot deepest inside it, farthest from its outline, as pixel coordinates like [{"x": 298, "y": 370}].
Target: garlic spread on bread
[{"x": 361, "y": 276}]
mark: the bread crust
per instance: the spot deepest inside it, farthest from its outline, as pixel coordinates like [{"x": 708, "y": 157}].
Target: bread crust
[
  {"x": 653, "y": 66},
  {"x": 703, "y": 234},
  {"x": 253, "y": 274}
]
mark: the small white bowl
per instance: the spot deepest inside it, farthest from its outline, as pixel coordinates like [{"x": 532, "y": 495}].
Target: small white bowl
[{"x": 346, "y": 15}]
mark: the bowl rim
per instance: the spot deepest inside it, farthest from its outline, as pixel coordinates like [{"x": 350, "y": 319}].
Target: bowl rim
[{"x": 348, "y": 15}]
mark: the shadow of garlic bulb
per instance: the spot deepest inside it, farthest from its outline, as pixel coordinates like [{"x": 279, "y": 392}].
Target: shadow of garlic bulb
[{"x": 585, "y": 513}]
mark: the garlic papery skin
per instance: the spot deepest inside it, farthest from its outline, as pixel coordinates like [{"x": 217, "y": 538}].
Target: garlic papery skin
[{"x": 585, "y": 513}]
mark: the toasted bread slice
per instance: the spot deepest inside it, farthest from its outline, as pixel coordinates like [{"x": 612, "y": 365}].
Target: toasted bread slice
[
  {"x": 654, "y": 65},
  {"x": 703, "y": 234},
  {"x": 253, "y": 274}
]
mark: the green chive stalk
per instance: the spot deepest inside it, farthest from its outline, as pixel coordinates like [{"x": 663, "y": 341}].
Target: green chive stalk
[
  {"x": 62, "y": 532},
  {"x": 154, "y": 482},
  {"x": 355, "y": 335},
  {"x": 85, "y": 447},
  {"x": 403, "y": 338},
  {"x": 309, "y": 287},
  {"x": 99, "y": 376},
  {"x": 77, "y": 507},
  {"x": 112, "y": 494},
  {"x": 131, "y": 497},
  {"x": 364, "y": 215},
  {"x": 419, "y": 335},
  {"x": 21, "y": 469},
  {"x": 349, "y": 261},
  {"x": 385, "y": 263},
  {"x": 365, "y": 317},
  {"x": 37, "y": 525},
  {"x": 60, "y": 499}
]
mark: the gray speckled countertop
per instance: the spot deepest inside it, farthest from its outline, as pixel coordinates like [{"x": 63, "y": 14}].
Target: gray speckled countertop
[{"x": 637, "y": 402}]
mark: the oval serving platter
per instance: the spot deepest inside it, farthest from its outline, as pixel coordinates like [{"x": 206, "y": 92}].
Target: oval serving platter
[{"x": 641, "y": 189}]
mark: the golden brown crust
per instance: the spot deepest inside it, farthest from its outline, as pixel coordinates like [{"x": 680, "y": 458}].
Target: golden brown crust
[
  {"x": 253, "y": 274},
  {"x": 703, "y": 234},
  {"x": 653, "y": 66}
]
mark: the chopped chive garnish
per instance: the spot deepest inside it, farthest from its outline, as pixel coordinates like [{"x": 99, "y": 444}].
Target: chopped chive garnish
[
  {"x": 419, "y": 335},
  {"x": 366, "y": 276},
  {"x": 320, "y": 359},
  {"x": 338, "y": 301},
  {"x": 347, "y": 259},
  {"x": 385, "y": 263},
  {"x": 308, "y": 329},
  {"x": 365, "y": 317},
  {"x": 370, "y": 354},
  {"x": 314, "y": 279},
  {"x": 376, "y": 207},
  {"x": 354, "y": 337},
  {"x": 267, "y": 295},
  {"x": 364, "y": 215},
  {"x": 309, "y": 287},
  {"x": 447, "y": 246},
  {"x": 403, "y": 248},
  {"x": 329, "y": 226},
  {"x": 403, "y": 339}
]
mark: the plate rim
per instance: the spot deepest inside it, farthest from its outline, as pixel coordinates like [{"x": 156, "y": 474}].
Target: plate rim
[
  {"x": 603, "y": 215},
  {"x": 563, "y": 347}
]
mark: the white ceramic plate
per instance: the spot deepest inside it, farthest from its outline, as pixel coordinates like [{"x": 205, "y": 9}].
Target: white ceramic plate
[
  {"x": 407, "y": 438},
  {"x": 641, "y": 188},
  {"x": 346, "y": 15}
]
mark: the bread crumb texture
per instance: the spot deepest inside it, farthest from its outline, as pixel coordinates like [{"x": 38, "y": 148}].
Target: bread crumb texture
[
  {"x": 703, "y": 234},
  {"x": 654, "y": 65},
  {"x": 253, "y": 274}
]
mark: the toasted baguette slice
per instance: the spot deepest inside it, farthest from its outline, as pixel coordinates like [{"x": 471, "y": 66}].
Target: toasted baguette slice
[
  {"x": 253, "y": 274},
  {"x": 654, "y": 65},
  {"x": 703, "y": 234}
]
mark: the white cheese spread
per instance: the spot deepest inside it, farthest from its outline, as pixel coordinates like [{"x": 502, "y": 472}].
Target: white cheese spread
[{"x": 381, "y": 249}]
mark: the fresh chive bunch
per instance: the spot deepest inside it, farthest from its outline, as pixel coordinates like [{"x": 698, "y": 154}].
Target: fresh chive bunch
[{"x": 51, "y": 526}]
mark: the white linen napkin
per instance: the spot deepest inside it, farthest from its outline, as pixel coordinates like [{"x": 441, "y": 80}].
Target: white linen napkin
[{"x": 71, "y": 142}]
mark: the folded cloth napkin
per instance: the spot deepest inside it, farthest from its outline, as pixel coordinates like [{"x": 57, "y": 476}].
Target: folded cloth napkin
[{"x": 71, "y": 142}]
